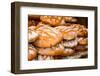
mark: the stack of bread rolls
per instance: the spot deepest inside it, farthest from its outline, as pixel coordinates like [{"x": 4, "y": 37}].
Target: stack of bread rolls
[{"x": 56, "y": 37}]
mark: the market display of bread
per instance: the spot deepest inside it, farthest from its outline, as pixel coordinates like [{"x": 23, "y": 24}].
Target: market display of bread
[{"x": 56, "y": 37}]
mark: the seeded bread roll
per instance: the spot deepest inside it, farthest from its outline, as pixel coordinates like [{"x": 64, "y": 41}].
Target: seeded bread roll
[{"x": 48, "y": 36}]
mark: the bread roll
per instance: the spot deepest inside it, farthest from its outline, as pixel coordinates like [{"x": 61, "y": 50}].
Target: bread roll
[
  {"x": 71, "y": 43},
  {"x": 32, "y": 53},
  {"x": 67, "y": 32},
  {"x": 32, "y": 35},
  {"x": 52, "y": 20},
  {"x": 83, "y": 41},
  {"x": 48, "y": 36},
  {"x": 70, "y": 19}
]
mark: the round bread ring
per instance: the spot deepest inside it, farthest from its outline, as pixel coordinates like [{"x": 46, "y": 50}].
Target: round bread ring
[{"x": 48, "y": 36}]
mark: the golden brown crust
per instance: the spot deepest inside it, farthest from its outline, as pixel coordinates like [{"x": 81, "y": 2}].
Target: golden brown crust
[
  {"x": 69, "y": 35},
  {"x": 67, "y": 32},
  {"x": 32, "y": 35},
  {"x": 83, "y": 41},
  {"x": 52, "y": 20},
  {"x": 69, "y": 51},
  {"x": 82, "y": 32},
  {"x": 48, "y": 36},
  {"x": 80, "y": 29},
  {"x": 55, "y": 51},
  {"x": 57, "y": 20}
]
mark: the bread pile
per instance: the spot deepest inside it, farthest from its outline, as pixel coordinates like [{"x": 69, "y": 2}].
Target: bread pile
[{"x": 56, "y": 37}]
